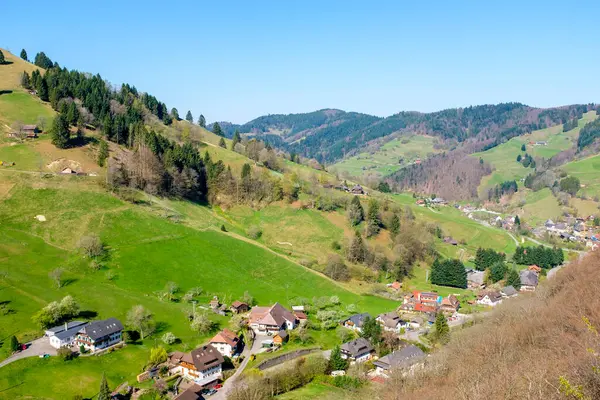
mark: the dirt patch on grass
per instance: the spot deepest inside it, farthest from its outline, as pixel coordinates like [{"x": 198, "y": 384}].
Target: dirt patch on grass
[
  {"x": 340, "y": 221},
  {"x": 62, "y": 163},
  {"x": 81, "y": 159},
  {"x": 5, "y": 188}
]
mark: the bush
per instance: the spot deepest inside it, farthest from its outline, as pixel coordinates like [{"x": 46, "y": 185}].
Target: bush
[
  {"x": 254, "y": 232},
  {"x": 336, "y": 269},
  {"x": 91, "y": 245},
  {"x": 223, "y": 229},
  {"x": 65, "y": 354},
  {"x": 169, "y": 338}
]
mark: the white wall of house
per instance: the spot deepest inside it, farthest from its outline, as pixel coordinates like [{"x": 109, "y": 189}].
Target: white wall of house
[
  {"x": 58, "y": 343},
  {"x": 223, "y": 348},
  {"x": 486, "y": 301}
]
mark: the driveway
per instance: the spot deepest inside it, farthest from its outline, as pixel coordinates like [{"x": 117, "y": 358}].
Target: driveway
[
  {"x": 230, "y": 383},
  {"x": 34, "y": 349}
]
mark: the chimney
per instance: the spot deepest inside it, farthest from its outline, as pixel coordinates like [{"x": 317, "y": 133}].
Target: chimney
[{"x": 66, "y": 326}]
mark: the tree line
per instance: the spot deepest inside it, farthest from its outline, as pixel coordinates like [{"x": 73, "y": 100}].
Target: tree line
[{"x": 541, "y": 256}]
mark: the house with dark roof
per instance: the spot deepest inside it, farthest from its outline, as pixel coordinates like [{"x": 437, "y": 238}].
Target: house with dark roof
[
  {"x": 529, "y": 280},
  {"x": 491, "y": 298},
  {"x": 202, "y": 365},
  {"x": 271, "y": 319},
  {"x": 355, "y": 322},
  {"x": 194, "y": 392},
  {"x": 509, "y": 291},
  {"x": 357, "y": 350},
  {"x": 226, "y": 342},
  {"x": 99, "y": 335},
  {"x": 391, "y": 322},
  {"x": 407, "y": 358},
  {"x": 64, "y": 335},
  {"x": 475, "y": 279}
]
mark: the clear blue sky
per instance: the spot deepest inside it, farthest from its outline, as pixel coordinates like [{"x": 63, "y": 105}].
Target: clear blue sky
[{"x": 239, "y": 60}]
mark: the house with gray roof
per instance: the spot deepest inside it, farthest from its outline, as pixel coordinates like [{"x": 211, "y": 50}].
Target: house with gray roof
[
  {"x": 529, "y": 280},
  {"x": 64, "y": 335},
  {"x": 509, "y": 291},
  {"x": 357, "y": 350},
  {"x": 391, "y": 322},
  {"x": 475, "y": 279},
  {"x": 355, "y": 322},
  {"x": 405, "y": 358},
  {"x": 100, "y": 334}
]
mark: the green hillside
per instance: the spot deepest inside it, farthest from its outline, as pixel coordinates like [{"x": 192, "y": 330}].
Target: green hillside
[
  {"x": 388, "y": 158},
  {"x": 503, "y": 157},
  {"x": 588, "y": 172}
]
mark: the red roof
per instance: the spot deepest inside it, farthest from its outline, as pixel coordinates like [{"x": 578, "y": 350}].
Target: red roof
[
  {"x": 300, "y": 315},
  {"x": 226, "y": 336},
  {"x": 396, "y": 285}
]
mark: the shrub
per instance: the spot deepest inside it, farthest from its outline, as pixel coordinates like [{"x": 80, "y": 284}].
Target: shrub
[
  {"x": 169, "y": 338},
  {"x": 254, "y": 232},
  {"x": 65, "y": 354},
  {"x": 91, "y": 245}
]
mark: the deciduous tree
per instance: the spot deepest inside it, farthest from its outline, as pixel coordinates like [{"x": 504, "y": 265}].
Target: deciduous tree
[
  {"x": 355, "y": 212},
  {"x": 140, "y": 319}
]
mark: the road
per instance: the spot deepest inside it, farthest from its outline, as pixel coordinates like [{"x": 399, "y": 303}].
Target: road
[
  {"x": 34, "y": 349},
  {"x": 230, "y": 383}
]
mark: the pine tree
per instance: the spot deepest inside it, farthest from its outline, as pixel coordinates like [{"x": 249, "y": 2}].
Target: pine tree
[
  {"x": 519, "y": 158},
  {"x": 356, "y": 251},
  {"x": 236, "y": 139},
  {"x": 246, "y": 170},
  {"x": 102, "y": 152},
  {"x": 202, "y": 121},
  {"x": 373, "y": 221},
  {"x": 72, "y": 113},
  {"x": 336, "y": 362},
  {"x": 395, "y": 225},
  {"x": 222, "y": 143},
  {"x": 13, "y": 344},
  {"x": 107, "y": 127},
  {"x": 25, "y": 81},
  {"x": 517, "y": 221},
  {"x": 498, "y": 271},
  {"x": 523, "y": 148},
  {"x": 442, "y": 330},
  {"x": 42, "y": 89},
  {"x": 24, "y": 55},
  {"x": 355, "y": 212},
  {"x": 513, "y": 279},
  {"x": 174, "y": 114},
  {"x": 59, "y": 132},
  {"x": 2, "y": 60},
  {"x": 189, "y": 118},
  {"x": 216, "y": 129},
  {"x": 104, "y": 393}
]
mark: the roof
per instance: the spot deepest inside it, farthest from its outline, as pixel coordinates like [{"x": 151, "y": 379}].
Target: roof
[
  {"x": 29, "y": 127},
  {"x": 534, "y": 268},
  {"x": 476, "y": 277},
  {"x": 282, "y": 334},
  {"x": 390, "y": 319},
  {"x": 494, "y": 296},
  {"x": 60, "y": 328},
  {"x": 300, "y": 315},
  {"x": 357, "y": 319},
  {"x": 509, "y": 291},
  {"x": 451, "y": 301},
  {"x": 238, "y": 304},
  {"x": 69, "y": 332},
  {"x": 529, "y": 278},
  {"x": 194, "y": 392},
  {"x": 98, "y": 329},
  {"x": 401, "y": 358},
  {"x": 202, "y": 358},
  {"x": 357, "y": 347},
  {"x": 396, "y": 285},
  {"x": 274, "y": 315},
  {"x": 226, "y": 336}
]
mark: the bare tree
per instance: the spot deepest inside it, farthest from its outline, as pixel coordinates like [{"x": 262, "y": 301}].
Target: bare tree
[
  {"x": 139, "y": 318},
  {"x": 56, "y": 276}
]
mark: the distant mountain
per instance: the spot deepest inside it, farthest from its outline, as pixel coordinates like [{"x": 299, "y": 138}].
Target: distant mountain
[{"x": 329, "y": 135}]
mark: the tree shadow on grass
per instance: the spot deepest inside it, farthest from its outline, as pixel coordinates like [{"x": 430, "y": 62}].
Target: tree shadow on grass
[
  {"x": 87, "y": 314},
  {"x": 5, "y": 92},
  {"x": 68, "y": 281}
]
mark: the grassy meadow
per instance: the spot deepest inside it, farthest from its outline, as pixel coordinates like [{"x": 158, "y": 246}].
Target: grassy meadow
[
  {"x": 588, "y": 172},
  {"x": 385, "y": 161}
]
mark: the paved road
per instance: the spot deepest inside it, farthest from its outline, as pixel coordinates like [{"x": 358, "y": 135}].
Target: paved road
[
  {"x": 34, "y": 349},
  {"x": 230, "y": 383}
]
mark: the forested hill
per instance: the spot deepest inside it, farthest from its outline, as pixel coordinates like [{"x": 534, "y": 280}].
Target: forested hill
[{"x": 329, "y": 135}]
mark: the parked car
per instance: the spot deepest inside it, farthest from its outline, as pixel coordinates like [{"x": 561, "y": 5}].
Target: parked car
[{"x": 45, "y": 355}]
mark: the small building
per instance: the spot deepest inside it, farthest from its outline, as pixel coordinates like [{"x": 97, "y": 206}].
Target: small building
[
  {"x": 529, "y": 280},
  {"x": 30, "y": 131},
  {"x": 491, "y": 299},
  {"x": 509, "y": 291},
  {"x": 358, "y": 190},
  {"x": 271, "y": 319},
  {"x": 101, "y": 334},
  {"x": 64, "y": 335},
  {"x": 226, "y": 342},
  {"x": 358, "y": 350},
  {"x": 475, "y": 279},
  {"x": 194, "y": 392},
  {"x": 449, "y": 304},
  {"x": 301, "y": 316},
  {"x": 395, "y": 286},
  {"x": 450, "y": 240},
  {"x": 407, "y": 358},
  {"x": 68, "y": 171},
  {"x": 202, "y": 365},
  {"x": 355, "y": 322},
  {"x": 239, "y": 307},
  {"x": 214, "y": 303},
  {"x": 280, "y": 338}
]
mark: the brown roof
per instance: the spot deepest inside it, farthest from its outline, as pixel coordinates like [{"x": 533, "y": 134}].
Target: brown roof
[
  {"x": 28, "y": 127},
  {"x": 275, "y": 315},
  {"x": 194, "y": 392},
  {"x": 202, "y": 358},
  {"x": 238, "y": 304},
  {"x": 226, "y": 336},
  {"x": 300, "y": 315}
]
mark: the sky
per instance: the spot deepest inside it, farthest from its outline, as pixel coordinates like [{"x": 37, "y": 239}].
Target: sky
[{"x": 237, "y": 60}]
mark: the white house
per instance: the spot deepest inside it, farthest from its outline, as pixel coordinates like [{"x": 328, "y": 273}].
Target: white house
[
  {"x": 202, "y": 365},
  {"x": 491, "y": 299},
  {"x": 226, "y": 342},
  {"x": 271, "y": 319},
  {"x": 391, "y": 322},
  {"x": 64, "y": 335},
  {"x": 99, "y": 335},
  {"x": 358, "y": 350}
]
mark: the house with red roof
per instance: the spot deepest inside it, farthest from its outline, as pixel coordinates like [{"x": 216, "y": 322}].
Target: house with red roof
[{"x": 226, "y": 342}]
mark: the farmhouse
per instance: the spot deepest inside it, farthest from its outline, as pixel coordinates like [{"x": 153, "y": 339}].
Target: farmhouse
[
  {"x": 226, "y": 342},
  {"x": 238, "y": 307},
  {"x": 509, "y": 291},
  {"x": 475, "y": 279},
  {"x": 391, "y": 322},
  {"x": 358, "y": 350},
  {"x": 426, "y": 302},
  {"x": 407, "y": 358},
  {"x": 100, "y": 334},
  {"x": 30, "y": 131},
  {"x": 202, "y": 365},
  {"x": 64, "y": 335},
  {"x": 492, "y": 298},
  {"x": 529, "y": 280},
  {"x": 355, "y": 322},
  {"x": 271, "y": 319},
  {"x": 449, "y": 304},
  {"x": 358, "y": 190}
]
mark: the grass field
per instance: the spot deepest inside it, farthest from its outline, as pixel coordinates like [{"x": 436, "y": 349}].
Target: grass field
[
  {"x": 386, "y": 160},
  {"x": 540, "y": 206},
  {"x": 312, "y": 391},
  {"x": 23, "y": 107},
  {"x": 588, "y": 172},
  {"x": 503, "y": 157},
  {"x": 10, "y": 73}
]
